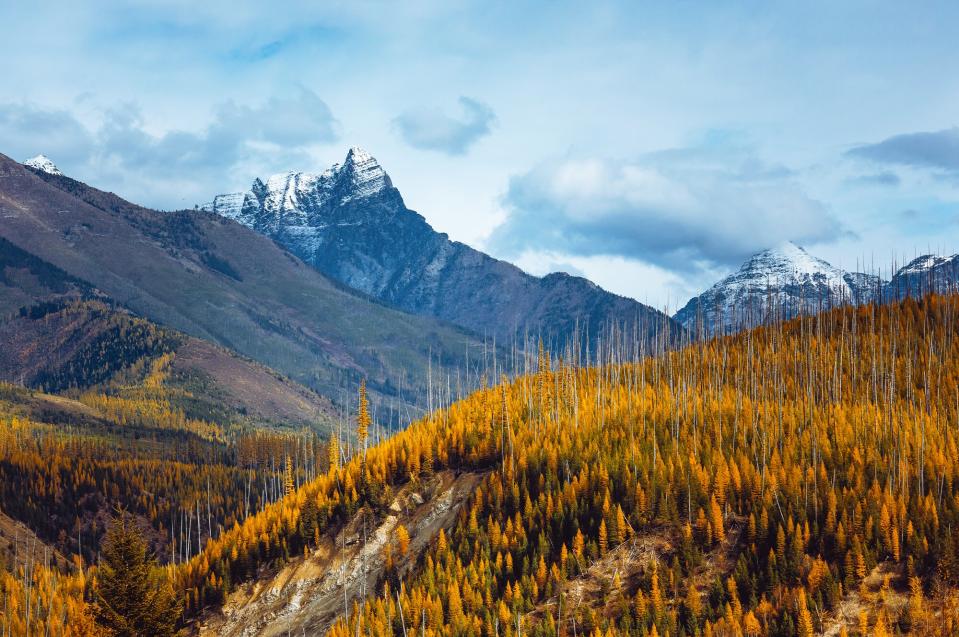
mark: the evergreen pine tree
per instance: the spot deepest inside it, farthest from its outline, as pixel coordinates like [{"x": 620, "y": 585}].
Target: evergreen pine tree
[{"x": 133, "y": 598}]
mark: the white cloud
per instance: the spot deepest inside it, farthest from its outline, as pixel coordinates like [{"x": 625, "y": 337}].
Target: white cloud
[
  {"x": 432, "y": 129},
  {"x": 175, "y": 168},
  {"x": 27, "y": 129},
  {"x": 937, "y": 150},
  {"x": 686, "y": 211}
]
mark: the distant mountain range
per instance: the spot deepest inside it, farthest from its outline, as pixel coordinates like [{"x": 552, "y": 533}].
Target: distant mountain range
[
  {"x": 351, "y": 223},
  {"x": 785, "y": 281},
  {"x": 216, "y": 280}
]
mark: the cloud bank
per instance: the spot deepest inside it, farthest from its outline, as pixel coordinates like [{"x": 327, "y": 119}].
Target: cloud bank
[
  {"x": 288, "y": 124},
  {"x": 174, "y": 168},
  {"x": 27, "y": 130},
  {"x": 937, "y": 150},
  {"x": 432, "y": 129},
  {"x": 681, "y": 210},
  {"x": 885, "y": 178}
]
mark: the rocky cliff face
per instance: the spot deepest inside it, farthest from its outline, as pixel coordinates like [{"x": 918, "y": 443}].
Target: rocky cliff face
[
  {"x": 778, "y": 283},
  {"x": 350, "y": 223},
  {"x": 306, "y": 596}
]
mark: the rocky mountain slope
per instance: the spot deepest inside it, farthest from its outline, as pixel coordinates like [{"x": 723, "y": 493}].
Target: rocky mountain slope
[
  {"x": 216, "y": 280},
  {"x": 778, "y": 283},
  {"x": 26, "y": 279},
  {"x": 351, "y": 223}
]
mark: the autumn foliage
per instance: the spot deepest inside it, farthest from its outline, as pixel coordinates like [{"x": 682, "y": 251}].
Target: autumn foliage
[
  {"x": 779, "y": 470},
  {"x": 821, "y": 448}
]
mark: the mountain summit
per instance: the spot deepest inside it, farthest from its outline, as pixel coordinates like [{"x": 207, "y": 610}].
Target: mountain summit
[
  {"x": 776, "y": 283},
  {"x": 351, "y": 223},
  {"x": 297, "y": 205},
  {"x": 43, "y": 163}
]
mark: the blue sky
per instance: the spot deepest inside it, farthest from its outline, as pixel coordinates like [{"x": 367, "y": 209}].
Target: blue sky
[{"x": 649, "y": 146}]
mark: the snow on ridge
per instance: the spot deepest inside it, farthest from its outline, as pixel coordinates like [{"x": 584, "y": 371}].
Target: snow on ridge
[
  {"x": 228, "y": 205},
  {"x": 783, "y": 280},
  {"x": 785, "y": 264},
  {"x": 925, "y": 263},
  {"x": 366, "y": 174},
  {"x": 358, "y": 155},
  {"x": 286, "y": 190},
  {"x": 794, "y": 258},
  {"x": 286, "y": 196},
  {"x": 43, "y": 163}
]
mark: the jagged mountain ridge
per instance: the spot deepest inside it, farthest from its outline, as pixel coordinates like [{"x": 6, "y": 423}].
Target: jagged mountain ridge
[
  {"x": 351, "y": 223},
  {"x": 777, "y": 283}
]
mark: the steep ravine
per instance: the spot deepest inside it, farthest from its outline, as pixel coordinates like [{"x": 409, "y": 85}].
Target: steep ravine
[{"x": 307, "y": 595}]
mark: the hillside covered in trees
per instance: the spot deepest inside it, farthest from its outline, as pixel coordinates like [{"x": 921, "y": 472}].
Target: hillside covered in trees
[
  {"x": 133, "y": 429},
  {"x": 797, "y": 479}
]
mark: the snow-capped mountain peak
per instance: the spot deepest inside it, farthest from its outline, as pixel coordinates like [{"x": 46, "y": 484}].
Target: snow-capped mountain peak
[
  {"x": 358, "y": 155},
  {"x": 925, "y": 263},
  {"x": 779, "y": 282},
  {"x": 294, "y": 198},
  {"x": 350, "y": 223},
  {"x": 43, "y": 163},
  {"x": 789, "y": 260},
  {"x": 366, "y": 175}
]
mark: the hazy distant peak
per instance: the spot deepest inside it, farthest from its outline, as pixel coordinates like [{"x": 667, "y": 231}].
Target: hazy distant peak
[{"x": 925, "y": 263}]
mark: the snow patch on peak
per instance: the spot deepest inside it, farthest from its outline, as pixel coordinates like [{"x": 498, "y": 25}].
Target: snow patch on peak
[
  {"x": 788, "y": 260},
  {"x": 365, "y": 175},
  {"x": 787, "y": 250},
  {"x": 359, "y": 156},
  {"x": 43, "y": 163},
  {"x": 779, "y": 282},
  {"x": 292, "y": 197},
  {"x": 925, "y": 263}
]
